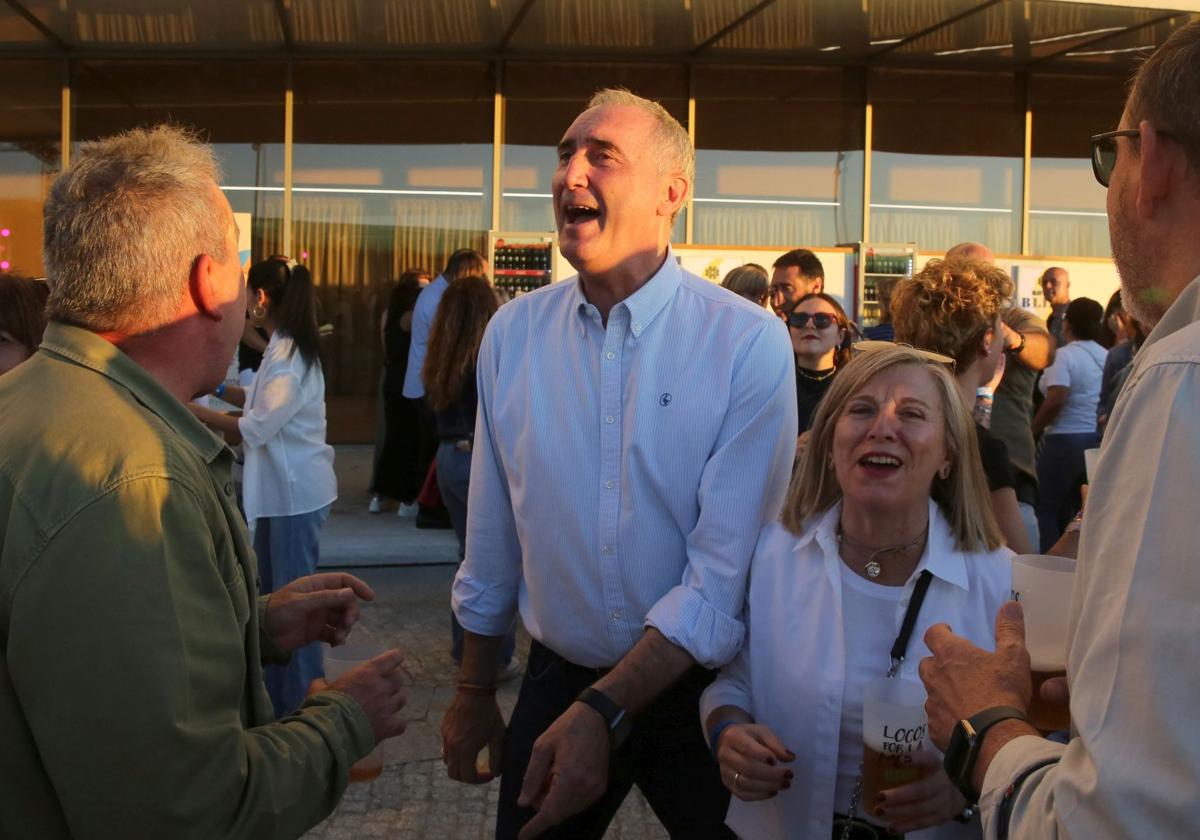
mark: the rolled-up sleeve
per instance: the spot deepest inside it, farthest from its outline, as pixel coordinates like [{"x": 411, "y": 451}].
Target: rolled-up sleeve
[
  {"x": 730, "y": 688},
  {"x": 741, "y": 488},
  {"x": 484, "y": 595}
]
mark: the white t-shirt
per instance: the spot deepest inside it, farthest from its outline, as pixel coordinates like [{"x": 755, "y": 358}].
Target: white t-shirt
[
  {"x": 1078, "y": 367},
  {"x": 868, "y": 645}
]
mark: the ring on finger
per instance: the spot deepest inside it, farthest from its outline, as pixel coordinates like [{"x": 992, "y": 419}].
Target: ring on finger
[{"x": 737, "y": 779}]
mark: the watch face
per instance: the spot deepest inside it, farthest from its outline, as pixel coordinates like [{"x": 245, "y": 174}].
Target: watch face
[{"x": 958, "y": 762}]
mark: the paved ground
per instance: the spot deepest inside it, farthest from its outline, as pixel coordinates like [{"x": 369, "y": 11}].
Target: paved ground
[{"x": 414, "y": 798}]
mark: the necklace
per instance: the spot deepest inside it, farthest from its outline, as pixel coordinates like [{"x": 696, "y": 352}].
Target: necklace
[
  {"x": 818, "y": 378},
  {"x": 872, "y": 566}
]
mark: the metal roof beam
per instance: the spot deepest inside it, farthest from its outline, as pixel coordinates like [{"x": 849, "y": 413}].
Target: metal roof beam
[
  {"x": 518, "y": 19},
  {"x": 32, "y": 19},
  {"x": 929, "y": 30},
  {"x": 283, "y": 11},
  {"x": 721, "y": 33},
  {"x": 1108, "y": 37}
]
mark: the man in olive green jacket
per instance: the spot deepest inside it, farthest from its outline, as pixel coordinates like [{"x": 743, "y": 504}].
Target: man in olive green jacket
[{"x": 131, "y": 695}]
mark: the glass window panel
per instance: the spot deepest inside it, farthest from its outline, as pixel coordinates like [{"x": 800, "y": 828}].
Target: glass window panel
[
  {"x": 392, "y": 169},
  {"x": 236, "y": 106},
  {"x": 1066, "y": 205},
  {"x": 779, "y": 158},
  {"x": 541, "y": 102},
  {"x": 947, "y": 154},
  {"x": 30, "y": 133}
]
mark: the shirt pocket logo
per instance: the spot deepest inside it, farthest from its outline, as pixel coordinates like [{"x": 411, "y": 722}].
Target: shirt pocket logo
[{"x": 665, "y": 400}]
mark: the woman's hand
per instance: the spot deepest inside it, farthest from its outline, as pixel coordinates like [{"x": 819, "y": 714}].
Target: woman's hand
[
  {"x": 921, "y": 804},
  {"x": 750, "y": 755}
]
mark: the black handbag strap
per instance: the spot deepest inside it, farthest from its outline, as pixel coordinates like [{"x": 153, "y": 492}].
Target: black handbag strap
[{"x": 910, "y": 621}]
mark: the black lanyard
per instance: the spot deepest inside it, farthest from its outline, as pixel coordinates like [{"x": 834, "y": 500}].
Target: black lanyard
[{"x": 910, "y": 621}]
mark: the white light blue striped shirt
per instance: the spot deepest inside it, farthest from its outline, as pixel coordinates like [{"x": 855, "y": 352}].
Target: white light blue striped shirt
[{"x": 621, "y": 473}]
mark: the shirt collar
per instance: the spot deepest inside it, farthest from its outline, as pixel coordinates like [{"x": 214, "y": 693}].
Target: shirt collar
[
  {"x": 646, "y": 303},
  {"x": 89, "y": 350},
  {"x": 1183, "y": 311},
  {"x": 941, "y": 556}
]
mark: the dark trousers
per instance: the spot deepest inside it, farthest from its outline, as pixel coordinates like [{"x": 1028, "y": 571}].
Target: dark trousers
[
  {"x": 665, "y": 756},
  {"x": 1061, "y": 471}
]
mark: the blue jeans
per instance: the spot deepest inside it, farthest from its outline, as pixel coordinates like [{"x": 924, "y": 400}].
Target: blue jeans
[
  {"x": 1060, "y": 469},
  {"x": 454, "y": 478},
  {"x": 287, "y": 548}
]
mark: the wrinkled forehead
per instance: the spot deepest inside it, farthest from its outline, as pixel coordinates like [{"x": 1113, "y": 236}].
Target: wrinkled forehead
[{"x": 624, "y": 127}]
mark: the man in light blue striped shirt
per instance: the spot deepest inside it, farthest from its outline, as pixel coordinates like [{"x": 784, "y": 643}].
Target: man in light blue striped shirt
[{"x": 636, "y": 428}]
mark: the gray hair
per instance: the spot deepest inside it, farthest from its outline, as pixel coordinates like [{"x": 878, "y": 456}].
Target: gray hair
[
  {"x": 675, "y": 152},
  {"x": 124, "y": 224},
  {"x": 1166, "y": 87}
]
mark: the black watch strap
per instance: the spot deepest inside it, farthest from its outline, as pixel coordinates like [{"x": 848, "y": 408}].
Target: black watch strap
[
  {"x": 988, "y": 718},
  {"x": 615, "y": 717},
  {"x": 973, "y": 730}
]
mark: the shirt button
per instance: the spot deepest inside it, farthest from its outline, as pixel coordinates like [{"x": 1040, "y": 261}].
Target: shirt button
[
  {"x": 637, "y": 328},
  {"x": 615, "y": 615},
  {"x": 229, "y": 488},
  {"x": 606, "y": 550},
  {"x": 608, "y": 484},
  {"x": 608, "y": 419},
  {"x": 610, "y": 356}
]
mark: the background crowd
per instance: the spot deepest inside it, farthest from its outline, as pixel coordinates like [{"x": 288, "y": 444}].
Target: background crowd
[{"x": 699, "y": 544}]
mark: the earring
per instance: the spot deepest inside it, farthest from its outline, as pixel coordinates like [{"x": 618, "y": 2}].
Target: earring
[{"x": 257, "y": 312}]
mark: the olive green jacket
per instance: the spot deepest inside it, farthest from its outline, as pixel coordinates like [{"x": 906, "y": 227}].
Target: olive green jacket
[{"x": 131, "y": 696}]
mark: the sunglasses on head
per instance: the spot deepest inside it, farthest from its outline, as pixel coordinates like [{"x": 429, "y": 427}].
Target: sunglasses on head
[
  {"x": 928, "y": 355},
  {"x": 821, "y": 320}
]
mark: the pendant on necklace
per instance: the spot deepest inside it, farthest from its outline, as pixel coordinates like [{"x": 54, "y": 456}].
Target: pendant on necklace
[{"x": 873, "y": 569}]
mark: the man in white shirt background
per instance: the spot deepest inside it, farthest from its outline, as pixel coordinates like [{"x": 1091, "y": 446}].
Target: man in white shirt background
[
  {"x": 1132, "y": 766},
  {"x": 635, "y": 430}
]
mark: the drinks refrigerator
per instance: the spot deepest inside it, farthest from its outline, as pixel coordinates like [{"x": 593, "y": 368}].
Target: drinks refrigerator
[
  {"x": 522, "y": 261},
  {"x": 877, "y": 264}
]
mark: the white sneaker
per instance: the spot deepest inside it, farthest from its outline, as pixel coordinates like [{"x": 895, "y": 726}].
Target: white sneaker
[
  {"x": 376, "y": 505},
  {"x": 511, "y": 671},
  {"x": 406, "y": 511}
]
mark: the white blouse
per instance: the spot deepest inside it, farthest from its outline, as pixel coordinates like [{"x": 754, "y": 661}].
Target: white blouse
[
  {"x": 791, "y": 672},
  {"x": 289, "y": 467}
]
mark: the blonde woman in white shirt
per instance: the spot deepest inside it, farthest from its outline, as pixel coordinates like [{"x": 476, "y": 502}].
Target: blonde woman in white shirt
[
  {"x": 889, "y": 487},
  {"x": 288, "y": 483}
]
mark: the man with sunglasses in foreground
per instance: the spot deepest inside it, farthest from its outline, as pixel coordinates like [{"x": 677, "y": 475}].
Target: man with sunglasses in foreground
[{"x": 1132, "y": 766}]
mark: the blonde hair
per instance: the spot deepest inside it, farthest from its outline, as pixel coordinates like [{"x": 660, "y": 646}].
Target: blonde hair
[
  {"x": 124, "y": 224},
  {"x": 750, "y": 281},
  {"x": 674, "y": 148},
  {"x": 949, "y": 306},
  {"x": 962, "y": 496}
]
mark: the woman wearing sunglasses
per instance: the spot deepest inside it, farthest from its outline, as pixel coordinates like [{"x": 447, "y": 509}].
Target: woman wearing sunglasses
[{"x": 820, "y": 334}]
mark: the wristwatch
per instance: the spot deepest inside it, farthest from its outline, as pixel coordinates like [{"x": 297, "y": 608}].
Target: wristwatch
[
  {"x": 965, "y": 741},
  {"x": 1016, "y": 351},
  {"x": 620, "y": 724}
]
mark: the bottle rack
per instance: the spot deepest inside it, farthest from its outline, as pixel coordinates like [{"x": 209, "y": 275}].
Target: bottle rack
[
  {"x": 876, "y": 263},
  {"x": 521, "y": 262}
]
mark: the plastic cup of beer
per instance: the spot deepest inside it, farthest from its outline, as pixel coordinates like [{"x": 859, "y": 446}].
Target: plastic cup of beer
[
  {"x": 338, "y": 662},
  {"x": 894, "y": 729},
  {"x": 1043, "y": 584}
]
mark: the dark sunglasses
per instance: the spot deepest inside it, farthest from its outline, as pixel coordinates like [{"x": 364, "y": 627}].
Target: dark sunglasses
[
  {"x": 799, "y": 320},
  {"x": 1104, "y": 153}
]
